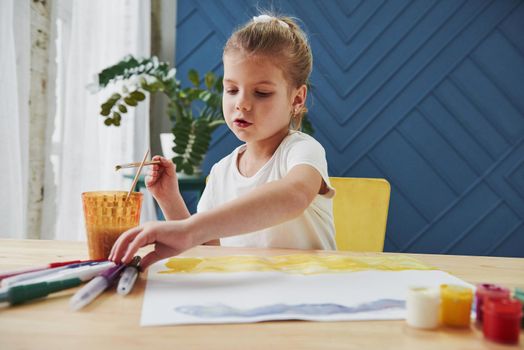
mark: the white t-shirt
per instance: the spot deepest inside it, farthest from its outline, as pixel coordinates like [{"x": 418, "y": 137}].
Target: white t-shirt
[{"x": 313, "y": 229}]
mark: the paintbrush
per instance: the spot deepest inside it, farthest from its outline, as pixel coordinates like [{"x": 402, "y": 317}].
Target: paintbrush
[
  {"x": 135, "y": 165},
  {"x": 140, "y": 166}
]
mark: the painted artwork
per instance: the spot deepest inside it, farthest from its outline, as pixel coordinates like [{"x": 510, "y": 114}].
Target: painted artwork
[{"x": 239, "y": 289}]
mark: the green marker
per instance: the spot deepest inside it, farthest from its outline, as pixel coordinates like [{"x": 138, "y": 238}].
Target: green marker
[{"x": 19, "y": 294}]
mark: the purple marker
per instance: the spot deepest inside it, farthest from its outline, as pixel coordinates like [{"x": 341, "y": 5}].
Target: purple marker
[{"x": 96, "y": 286}]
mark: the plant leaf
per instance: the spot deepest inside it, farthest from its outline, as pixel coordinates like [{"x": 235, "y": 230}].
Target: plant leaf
[
  {"x": 193, "y": 77},
  {"x": 188, "y": 168},
  {"x": 219, "y": 85},
  {"x": 130, "y": 101},
  {"x": 105, "y": 111},
  {"x": 114, "y": 71},
  {"x": 179, "y": 161},
  {"x": 138, "y": 95},
  {"x": 209, "y": 79}
]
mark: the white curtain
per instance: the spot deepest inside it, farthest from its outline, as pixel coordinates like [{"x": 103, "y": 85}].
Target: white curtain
[
  {"x": 14, "y": 125},
  {"x": 90, "y": 36}
]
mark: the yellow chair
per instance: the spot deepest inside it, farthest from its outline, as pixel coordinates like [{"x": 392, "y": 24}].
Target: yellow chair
[{"x": 360, "y": 210}]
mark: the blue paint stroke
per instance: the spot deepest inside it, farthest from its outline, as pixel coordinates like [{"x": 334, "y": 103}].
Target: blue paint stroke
[{"x": 222, "y": 310}]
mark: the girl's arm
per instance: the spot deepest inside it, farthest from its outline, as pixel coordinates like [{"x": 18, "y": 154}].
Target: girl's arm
[
  {"x": 175, "y": 209},
  {"x": 265, "y": 206}
]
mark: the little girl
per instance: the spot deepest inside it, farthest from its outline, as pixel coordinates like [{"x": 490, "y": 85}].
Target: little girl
[{"x": 273, "y": 191}]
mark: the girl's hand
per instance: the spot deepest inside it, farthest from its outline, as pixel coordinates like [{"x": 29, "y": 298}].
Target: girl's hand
[
  {"x": 170, "y": 238},
  {"x": 162, "y": 181}
]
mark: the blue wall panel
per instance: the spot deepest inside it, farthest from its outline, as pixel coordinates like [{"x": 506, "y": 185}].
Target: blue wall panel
[{"x": 428, "y": 94}]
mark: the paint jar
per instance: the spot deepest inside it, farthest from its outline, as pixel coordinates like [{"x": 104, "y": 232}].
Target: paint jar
[
  {"x": 455, "y": 305},
  {"x": 501, "y": 322},
  {"x": 422, "y": 307},
  {"x": 488, "y": 290},
  {"x": 519, "y": 295}
]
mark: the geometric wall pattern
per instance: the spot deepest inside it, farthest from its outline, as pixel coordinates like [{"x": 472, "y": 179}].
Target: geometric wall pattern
[{"x": 427, "y": 94}]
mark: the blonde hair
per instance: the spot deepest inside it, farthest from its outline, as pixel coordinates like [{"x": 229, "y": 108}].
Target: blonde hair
[{"x": 282, "y": 38}]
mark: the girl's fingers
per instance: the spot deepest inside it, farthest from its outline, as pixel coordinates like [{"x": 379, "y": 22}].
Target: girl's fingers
[
  {"x": 152, "y": 176},
  {"x": 122, "y": 242},
  {"x": 167, "y": 165},
  {"x": 155, "y": 166},
  {"x": 142, "y": 239},
  {"x": 164, "y": 161}
]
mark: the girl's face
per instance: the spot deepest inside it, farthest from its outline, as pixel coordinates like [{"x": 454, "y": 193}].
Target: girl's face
[{"x": 257, "y": 100}]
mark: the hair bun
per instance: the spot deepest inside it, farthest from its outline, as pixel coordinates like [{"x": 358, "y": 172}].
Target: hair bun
[{"x": 267, "y": 19}]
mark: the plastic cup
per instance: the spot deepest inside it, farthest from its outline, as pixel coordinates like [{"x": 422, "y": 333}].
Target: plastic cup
[{"x": 107, "y": 215}]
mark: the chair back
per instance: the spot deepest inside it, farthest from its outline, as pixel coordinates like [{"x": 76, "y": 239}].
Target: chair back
[{"x": 360, "y": 210}]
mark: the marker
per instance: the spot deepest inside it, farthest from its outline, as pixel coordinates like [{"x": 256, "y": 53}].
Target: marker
[
  {"x": 96, "y": 286},
  {"x": 10, "y": 281},
  {"x": 129, "y": 276},
  {"x": 85, "y": 271},
  {"x": 45, "y": 267},
  {"x": 19, "y": 294}
]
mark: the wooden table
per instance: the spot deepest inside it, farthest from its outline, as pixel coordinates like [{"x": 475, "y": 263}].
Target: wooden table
[{"x": 112, "y": 321}]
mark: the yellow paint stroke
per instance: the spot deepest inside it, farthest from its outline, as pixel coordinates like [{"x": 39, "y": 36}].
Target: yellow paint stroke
[{"x": 297, "y": 263}]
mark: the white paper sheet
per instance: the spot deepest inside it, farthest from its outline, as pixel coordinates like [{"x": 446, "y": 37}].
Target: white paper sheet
[{"x": 242, "y": 297}]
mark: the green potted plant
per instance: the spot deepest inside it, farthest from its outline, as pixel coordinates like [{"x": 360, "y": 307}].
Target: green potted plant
[{"x": 196, "y": 111}]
